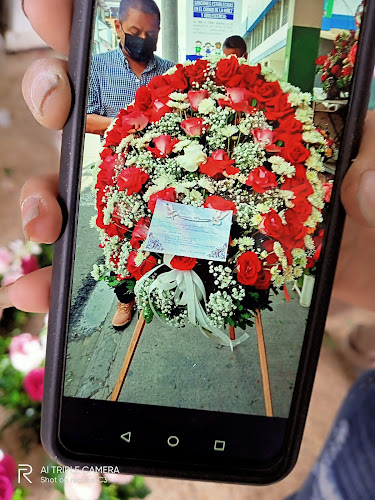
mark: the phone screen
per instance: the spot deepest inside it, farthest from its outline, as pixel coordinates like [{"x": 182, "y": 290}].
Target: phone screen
[{"x": 202, "y": 213}]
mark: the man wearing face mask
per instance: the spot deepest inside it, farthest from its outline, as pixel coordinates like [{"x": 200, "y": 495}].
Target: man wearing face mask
[
  {"x": 116, "y": 75},
  {"x": 114, "y": 80}
]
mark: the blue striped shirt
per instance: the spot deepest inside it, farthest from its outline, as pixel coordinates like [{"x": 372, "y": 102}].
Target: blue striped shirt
[{"x": 113, "y": 84}]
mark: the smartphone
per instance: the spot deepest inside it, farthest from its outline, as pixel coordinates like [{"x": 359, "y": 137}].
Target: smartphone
[{"x": 202, "y": 223}]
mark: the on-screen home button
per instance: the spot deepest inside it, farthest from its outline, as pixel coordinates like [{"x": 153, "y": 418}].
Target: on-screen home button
[{"x": 173, "y": 441}]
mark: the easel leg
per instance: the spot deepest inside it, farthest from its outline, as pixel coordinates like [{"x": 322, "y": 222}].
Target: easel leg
[
  {"x": 232, "y": 333},
  {"x": 263, "y": 364},
  {"x": 129, "y": 357}
]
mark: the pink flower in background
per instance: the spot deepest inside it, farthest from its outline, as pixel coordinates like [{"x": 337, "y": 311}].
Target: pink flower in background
[
  {"x": 5, "y": 260},
  {"x": 82, "y": 485},
  {"x": 8, "y": 466},
  {"x": 29, "y": 263},
  {"x": 6, "y": 488},
  {"x": 11, "y": 278},
  {"x": 8, "y": 469},
  {"x": 26, "y": 352},
  {"x": 33, "y": 384},
  {"x": 119, "y": 478}
]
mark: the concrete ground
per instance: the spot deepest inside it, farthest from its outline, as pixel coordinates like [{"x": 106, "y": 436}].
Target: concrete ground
[{"x": 28, "y": 149}]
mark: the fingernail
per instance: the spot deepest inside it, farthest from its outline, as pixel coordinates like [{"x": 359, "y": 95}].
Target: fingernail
[
  {"x": 42, "y": 89},
  {"x": 366, "y": 196},
  {"x": 4, "y": 298},
  {"x": 29, "y": 211}
]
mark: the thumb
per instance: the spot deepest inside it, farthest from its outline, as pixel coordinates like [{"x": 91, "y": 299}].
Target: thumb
[{"x": 358, "y": 187}]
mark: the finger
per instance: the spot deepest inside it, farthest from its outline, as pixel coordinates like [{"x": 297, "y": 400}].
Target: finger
[
  {"x": 52, "y": 21},
  {"x": 40, "y": 210},
  {"x": 46, "y": 90},
  {"x": 358, "y": 188},
  {"x": 29, "y": 293}
]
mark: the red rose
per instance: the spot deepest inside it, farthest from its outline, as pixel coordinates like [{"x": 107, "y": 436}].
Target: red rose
[
  {"x": 272, "y": 225},
  {"x": 168, "y": 194},
  {"x": 140, "y": 232},
  {"x": 247, "y": 77},
  {"x": 353, "y": 54},
  {"x": 197, "y": 72},
  {"x": 289, "y": 129},
  {"x": 302, "y": 208},
  {"x": 158, "y": 109},
  {"x": 143, "y": 99},
  {"x": 238, "y": 99},
  {"x": 33, "y": 384},
  {"x": 219, "y": 203},
  {"x": 318, "y": 244},
  {"x": 132, "y": 179},
  {"x": 114, "y": 136},
  {"x": 295, "y": 152},
  {"x": 348, "y": 70},
  {"x": 271, "y": 258},
  {"x": 261, "y": 179},
  {"x": 183, "y": 263},
  {"x": 324, "y": 77},
  {"x": 226, "y": 69},
  {"x": 194, "y": 127},
  {"x": 336, "y": 70},
  {"x": 321, "y": 60},
  {"x": 196, "y": 97},
  {"x": 249, "y": 268},
  {"x": 327, "y": 188},
  {"x": 133, "y": 122},
  {"x": 164, "y": 145},
  {"x": 115, "y": 229},
  {"x": 161, "y": 86},
  {"x": 294, "y": 231},
  {"x": 104, "y": 179},
  {"x": 278, "y": 108},
  {"x": 138, "y": 271},
  {"x": 217, "y": 164},
  {"x": 298, "y": 183},
  {"x": 106, "y": 153},
  {"x": 264, "y": 280},
  {"x": 268, "y": 92},
  {"x": 179, "y": 80}
]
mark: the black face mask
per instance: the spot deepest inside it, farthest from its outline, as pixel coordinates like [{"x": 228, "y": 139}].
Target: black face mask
[{"x": 139, "y": 49}]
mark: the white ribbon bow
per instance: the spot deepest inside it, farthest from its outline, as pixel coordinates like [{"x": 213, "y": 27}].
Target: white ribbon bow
[{"x": 189, "y": 291}]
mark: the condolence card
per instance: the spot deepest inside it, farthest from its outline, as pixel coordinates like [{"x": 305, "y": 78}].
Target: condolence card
[{"x": 188, "y": 231}]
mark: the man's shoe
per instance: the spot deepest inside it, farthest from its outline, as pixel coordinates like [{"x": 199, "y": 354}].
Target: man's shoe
[{"x": 123, "y": 314}]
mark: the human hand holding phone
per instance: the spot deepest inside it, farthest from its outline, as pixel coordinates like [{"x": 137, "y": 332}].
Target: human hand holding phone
[{"x": 354, "y": 191}]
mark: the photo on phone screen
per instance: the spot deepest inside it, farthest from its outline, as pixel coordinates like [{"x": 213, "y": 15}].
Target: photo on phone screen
[{"x": 205, "y": 195}]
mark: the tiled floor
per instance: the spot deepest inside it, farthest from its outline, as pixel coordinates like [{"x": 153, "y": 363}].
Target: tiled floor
[{"x": 27, "y": 149}]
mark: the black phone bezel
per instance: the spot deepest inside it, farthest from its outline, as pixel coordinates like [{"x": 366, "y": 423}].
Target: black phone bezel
[{"x": 72, "y": 146}]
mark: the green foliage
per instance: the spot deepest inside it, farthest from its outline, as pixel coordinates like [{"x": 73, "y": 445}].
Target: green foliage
[{"x": 20, "y": 493}]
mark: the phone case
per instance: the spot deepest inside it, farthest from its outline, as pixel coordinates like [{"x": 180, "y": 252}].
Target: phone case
[{"x": 79, "y": 62}]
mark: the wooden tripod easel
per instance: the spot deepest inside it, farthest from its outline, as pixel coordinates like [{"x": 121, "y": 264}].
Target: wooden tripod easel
[{"x": 262, "y": 358}]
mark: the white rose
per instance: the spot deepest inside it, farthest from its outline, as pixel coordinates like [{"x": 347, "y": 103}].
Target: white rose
[{"x": 193, "y": 156}]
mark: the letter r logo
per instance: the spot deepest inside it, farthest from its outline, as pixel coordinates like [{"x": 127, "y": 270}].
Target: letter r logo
[{"x": 26, "y": 470}]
